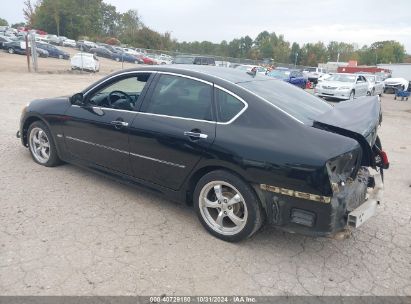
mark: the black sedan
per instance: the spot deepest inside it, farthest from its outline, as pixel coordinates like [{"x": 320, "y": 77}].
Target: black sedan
[
  {"x": 101, "y": 52},
  {"x": 243, "y": 149},
  {"x": 15, "y": 47}
]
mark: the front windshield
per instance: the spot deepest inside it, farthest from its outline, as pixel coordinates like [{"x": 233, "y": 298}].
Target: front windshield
[
  {"x": 342, "y": 78},
  {"x": 296, "y": 102},
  {"x": 280, "y": 74},
  {"x": 184, "y": 60}
]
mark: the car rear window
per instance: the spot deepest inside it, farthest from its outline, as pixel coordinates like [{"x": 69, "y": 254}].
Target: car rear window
[
  {"x": 228, "y": 106},
  {"x": 296, "y": 102}
]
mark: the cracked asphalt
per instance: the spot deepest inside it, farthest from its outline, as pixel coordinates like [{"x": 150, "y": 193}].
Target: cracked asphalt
[{"x": 66, "y": 231}]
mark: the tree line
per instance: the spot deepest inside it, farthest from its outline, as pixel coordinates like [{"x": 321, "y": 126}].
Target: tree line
[{"x": 100, "y": 21}]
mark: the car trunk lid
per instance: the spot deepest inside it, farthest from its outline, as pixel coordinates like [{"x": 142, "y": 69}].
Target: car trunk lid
[{"x": 358, "y": 120}]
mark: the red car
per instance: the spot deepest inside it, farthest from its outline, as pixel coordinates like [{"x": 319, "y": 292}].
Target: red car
[{"x": 148, "y": 60}]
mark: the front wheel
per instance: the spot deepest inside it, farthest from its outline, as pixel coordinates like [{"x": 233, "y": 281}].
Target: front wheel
[
  {"x": 41, "y": 145},
  {"x": 11, "y": 51},
  {"x": 227, "y": 207}
]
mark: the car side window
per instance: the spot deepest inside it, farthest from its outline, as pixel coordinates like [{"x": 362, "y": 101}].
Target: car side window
[
  {"x": 123, "y": 94},
  {"x": 181, "y": 97},
  {"x": 228, "y": 106}
]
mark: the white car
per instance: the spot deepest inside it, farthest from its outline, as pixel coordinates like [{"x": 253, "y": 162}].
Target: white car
[
  {"x": 312, "y": 74},
  {"x": 396, "y": 83},
  {"x": 85, "y": 61},
  {"x": 131, "y": 51},
  {"x": 343, "y": 86},
  {"x": 375, "y": 84},
  {"x": 69, "y": 42},
  {"x": 163, "y": 59},
  {"x": 248, "y": 67}
]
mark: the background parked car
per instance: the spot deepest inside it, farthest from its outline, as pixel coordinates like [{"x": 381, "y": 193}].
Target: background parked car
[
  {"x": 42, "y": 53},
  {"x": 85, "y": 61},
  {"x": 294, "y": 77},
  {"x": 69, "y": 42},
  {"x": 15, "y": 47},
  {"x": 375, "y": 84},
  {"x": 3, "y": 40},
  {"x": 53, "y": 51},
  {"x": 201, "y": 60},
  {"x": 391, "y": 84},
  {"x": 102, "y": 52},
  {"x": 124, "y": 57},
  {"x": 313, "y": 73},
  {"x": 343, "y": 86},
  {"x": 246, "y": 67}
]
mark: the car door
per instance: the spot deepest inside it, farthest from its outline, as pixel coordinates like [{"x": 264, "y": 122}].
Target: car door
[
  {"x": 361, "y": 86},
  {"x": 172, "y": 130},
  {"x": 97, "y": 132}
]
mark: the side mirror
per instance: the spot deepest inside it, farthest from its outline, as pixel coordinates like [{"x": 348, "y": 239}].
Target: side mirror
[{"x": 77, "y": 99}]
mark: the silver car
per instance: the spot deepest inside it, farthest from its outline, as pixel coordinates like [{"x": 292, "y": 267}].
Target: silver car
[
  {"x": 343, "y": 86},
  {"x": 375, "y": 85}
]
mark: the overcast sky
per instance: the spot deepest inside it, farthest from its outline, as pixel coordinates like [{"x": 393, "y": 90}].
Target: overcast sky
[{"x": 358, "y": 21}]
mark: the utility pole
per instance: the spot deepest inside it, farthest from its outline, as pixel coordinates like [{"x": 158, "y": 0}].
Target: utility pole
[
  {"x": 33, "y": 50},
  {"x": 338, "y": 57},
  {"x": 295, "y": 62},
  {"x": 28, "y": 53}
]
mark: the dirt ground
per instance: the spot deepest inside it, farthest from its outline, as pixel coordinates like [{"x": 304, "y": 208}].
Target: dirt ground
[{"x": 66, "y": 231}]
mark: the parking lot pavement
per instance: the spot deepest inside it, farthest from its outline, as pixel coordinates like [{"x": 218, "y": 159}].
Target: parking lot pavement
[{"x": 65, "y": 231}]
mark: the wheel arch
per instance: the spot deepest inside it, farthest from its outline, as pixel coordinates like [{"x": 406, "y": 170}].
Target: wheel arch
[
  {"x": 25, "y": 127},
  {"x": 200, "y": 172}
]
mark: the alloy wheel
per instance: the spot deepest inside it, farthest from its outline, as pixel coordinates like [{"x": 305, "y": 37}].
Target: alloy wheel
[
  {"x": 223, "y": 208},
  {"x": 39, "y": 145}
]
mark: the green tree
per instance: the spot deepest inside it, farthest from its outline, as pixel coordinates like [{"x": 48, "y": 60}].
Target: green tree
[
  {"x": 295, "y": 54},
  {"x": 3, "y": 22},
  {"x": 18, "y": 24}
]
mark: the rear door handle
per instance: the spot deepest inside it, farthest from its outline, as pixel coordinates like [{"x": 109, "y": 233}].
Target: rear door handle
[
  {"x": 118, "y": 123},
  {"x": 195, "y": 135}
]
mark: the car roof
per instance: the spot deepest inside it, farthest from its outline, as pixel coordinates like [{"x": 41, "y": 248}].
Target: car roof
[{"x": 204, "y": 71}]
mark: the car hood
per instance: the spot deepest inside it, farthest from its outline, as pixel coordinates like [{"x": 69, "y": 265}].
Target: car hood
[
  {"x": 357, "y": 119},
  {"x": 336, "y": 83},
  {"x": 396, "y": 81}
]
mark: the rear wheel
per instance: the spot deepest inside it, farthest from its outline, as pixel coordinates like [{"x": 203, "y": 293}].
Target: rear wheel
[
  {"x": 42, "y": 146},
  {"x": 11, "y": 51},
  {"x": 60, "y": 56},
  {"x": 227, "y": 207}
]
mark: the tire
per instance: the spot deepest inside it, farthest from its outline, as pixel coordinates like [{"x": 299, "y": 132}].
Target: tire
[
  {"x": 352, "y": 95},
  {"x": 11, "y": 51},
  {"x": 373, "y": 92},
  {"x": 117, "y": 59},
  {"x": 136, "y": 62},
  {"x": 236, "y": 200},
  {"x": 39, "y": 135},
  {"x": 60, "y": 56}
]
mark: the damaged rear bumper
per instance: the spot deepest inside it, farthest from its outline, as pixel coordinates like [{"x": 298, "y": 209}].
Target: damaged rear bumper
[
  {"x": 351, "y": 206},
  {"x": 365, "y": 211}
]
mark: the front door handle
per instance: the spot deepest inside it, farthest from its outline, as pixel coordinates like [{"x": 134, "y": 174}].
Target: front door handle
[
  {"x": 195, "y": 135},
  {"x": 119, "y": 123}
]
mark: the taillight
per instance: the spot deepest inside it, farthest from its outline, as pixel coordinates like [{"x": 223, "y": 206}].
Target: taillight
[{"x": 381, "y": 160}]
